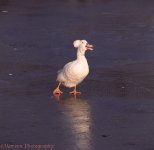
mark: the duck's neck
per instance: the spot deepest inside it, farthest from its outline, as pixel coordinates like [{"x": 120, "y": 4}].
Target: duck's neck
[{"x": 80, "y": 54}]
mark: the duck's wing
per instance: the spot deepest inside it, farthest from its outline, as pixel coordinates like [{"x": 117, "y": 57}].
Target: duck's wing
[
  {"x": 71, "y": 69},
  {"x": 64, "y": 73}
]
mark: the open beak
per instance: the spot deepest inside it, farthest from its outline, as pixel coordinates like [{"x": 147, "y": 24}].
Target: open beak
[{"x": 90, "y": 47}]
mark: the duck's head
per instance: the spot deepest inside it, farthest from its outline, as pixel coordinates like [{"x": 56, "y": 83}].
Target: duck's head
[{"x": 83, "y": 45}]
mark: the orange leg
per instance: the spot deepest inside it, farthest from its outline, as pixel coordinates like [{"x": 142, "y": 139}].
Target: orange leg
[
  {"x": 74, "y": 92},
  {"x": 57, "y": 90}
]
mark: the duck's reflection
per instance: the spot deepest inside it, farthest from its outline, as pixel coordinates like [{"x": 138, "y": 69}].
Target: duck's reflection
[{"x": 77, "y": 112}]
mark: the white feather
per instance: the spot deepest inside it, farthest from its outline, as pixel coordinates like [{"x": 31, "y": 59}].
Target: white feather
[{"x": 74, "y": 72}]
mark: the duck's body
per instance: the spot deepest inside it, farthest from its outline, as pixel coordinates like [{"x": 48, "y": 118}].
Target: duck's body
[{"x": 74, "y": 72}]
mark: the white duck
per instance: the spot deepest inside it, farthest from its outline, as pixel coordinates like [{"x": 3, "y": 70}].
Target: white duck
[{"x": 74, "y": 72}]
